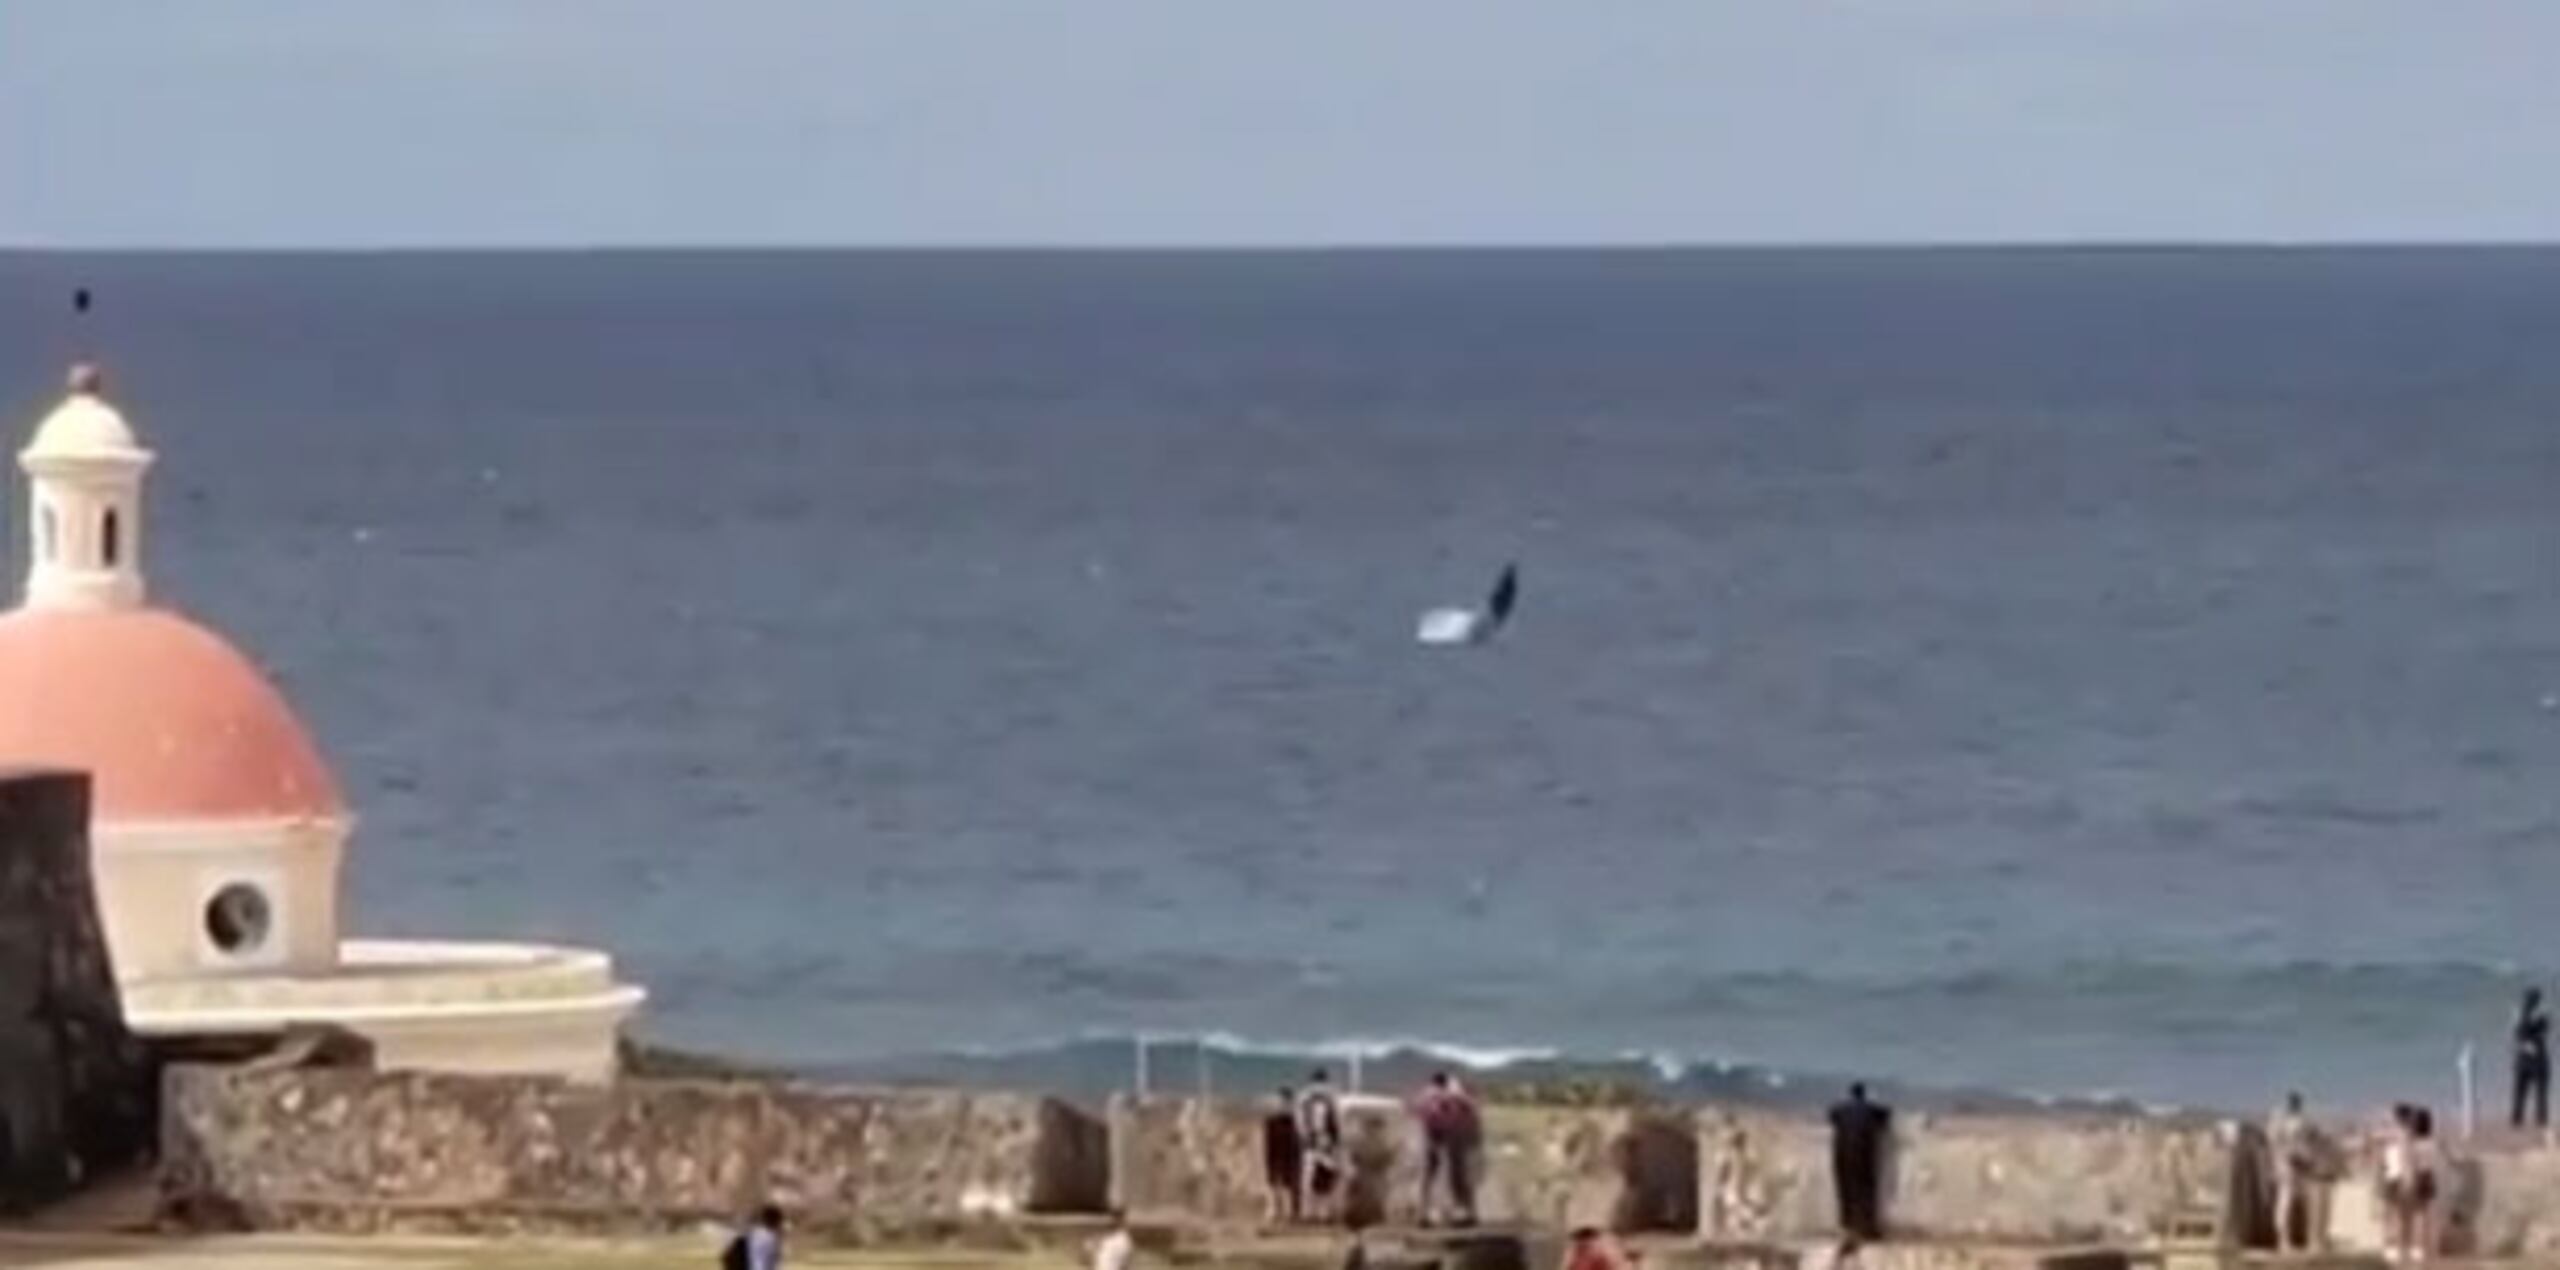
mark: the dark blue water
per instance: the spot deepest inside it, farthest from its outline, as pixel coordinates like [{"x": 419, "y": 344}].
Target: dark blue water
[{"x": 2051, "y": 671}]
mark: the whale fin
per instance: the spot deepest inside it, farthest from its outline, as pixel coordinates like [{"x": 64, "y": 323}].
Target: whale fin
[{"x": 1506, "y": 593}]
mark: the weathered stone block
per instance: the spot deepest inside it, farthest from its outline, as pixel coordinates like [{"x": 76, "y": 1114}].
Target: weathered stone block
[
  {"x": 1192, "y": 1156},
  {"x": 1631, "y": 1170},
  {"x": 2494, "y": 1196},
  {"x": 1762, "y": 1176},
  {"x": 2041, "y": 1181},
  {"x": 2056, "y": 1180},
  {"x": 342, "y": 1149}
]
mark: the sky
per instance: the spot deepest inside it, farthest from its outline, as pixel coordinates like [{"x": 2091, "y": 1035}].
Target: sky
[{"x": 385, "y": 123}]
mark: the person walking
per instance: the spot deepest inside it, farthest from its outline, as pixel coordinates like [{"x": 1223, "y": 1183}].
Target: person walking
[
  {"x": 1587, "y": 1249},
  {"x": 759, "y": 1246},
  {"x": 1117, "y": 1247},
  {"x": 2532, "y": 1059},
  {"x": 1859, "y": 1130}
]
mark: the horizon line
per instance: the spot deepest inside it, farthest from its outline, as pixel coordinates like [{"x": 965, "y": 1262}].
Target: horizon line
[{"x": 997, "y": 247}]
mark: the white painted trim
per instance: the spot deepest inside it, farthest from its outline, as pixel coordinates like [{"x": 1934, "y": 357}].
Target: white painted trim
[
  {"x": 304, "y": 832},
  {"x": 358, "y": 954},
  {"x": 619, "y": 1001}
]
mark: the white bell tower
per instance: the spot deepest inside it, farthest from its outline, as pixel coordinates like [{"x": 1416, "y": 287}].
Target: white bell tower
[{"x": 84, "y": 506}]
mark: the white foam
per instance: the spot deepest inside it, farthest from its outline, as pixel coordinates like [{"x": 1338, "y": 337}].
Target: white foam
[{"x": 1473, "y": 1057}]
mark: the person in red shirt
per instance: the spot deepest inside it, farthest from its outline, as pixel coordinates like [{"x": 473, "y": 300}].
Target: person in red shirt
[
  {"x": 1449, "y": 1140},
  {"x": 1586, "y": 1249}
]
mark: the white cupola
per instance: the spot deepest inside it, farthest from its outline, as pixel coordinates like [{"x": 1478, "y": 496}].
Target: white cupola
[{"x": 84, "y": 472}]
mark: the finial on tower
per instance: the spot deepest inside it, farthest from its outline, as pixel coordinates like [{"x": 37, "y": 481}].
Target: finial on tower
[{"x": 84, "y": 472}]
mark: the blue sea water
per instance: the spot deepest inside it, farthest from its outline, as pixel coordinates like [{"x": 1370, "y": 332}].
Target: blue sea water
[{"x": 2114, "y": 671}]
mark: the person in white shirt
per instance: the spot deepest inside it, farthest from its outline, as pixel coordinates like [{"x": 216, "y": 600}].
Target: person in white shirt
[
  {"x": 2299, "y": 1156},
  {"x": 1115, "y": 1250},
  {"x": 1320, "y": 1147},
  {"x": 759, "y": 1246},
  {"x": 2409, "y": 1164}
]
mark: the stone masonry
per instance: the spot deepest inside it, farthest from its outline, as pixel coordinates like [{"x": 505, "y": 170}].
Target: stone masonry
[
  {"x": 1544, "y": 1166},
  {"x": 352, "y": 1149},
  {"x": 2043, "y": 1180},
  {"x": 75, "y": 1086},
  {"x": 360, "y": 1151}
]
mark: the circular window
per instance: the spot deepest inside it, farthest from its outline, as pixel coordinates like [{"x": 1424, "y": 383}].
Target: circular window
[{"x": 237, "y": 917}]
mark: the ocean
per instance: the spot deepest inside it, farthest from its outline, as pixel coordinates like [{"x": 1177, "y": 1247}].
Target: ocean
[{"x": 2124, "y": 673}]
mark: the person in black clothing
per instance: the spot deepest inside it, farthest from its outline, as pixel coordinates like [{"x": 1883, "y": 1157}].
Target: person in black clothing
[
  {"x": 1858, "y": 1134},
  {"x": 2532, "y": 1060},
  {"x": 1284, "y": 1159}
]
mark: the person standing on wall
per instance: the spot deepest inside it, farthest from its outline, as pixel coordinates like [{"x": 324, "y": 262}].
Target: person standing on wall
[
  {"x": 2425, "y": 1167},
  {"x": 2532, "y": 1061},
  {"x": 2410, "y": 1167},
  {"x": 1320, "y": 1146},
  {"x": 1859, "y": 1132},
  {"x": 2302, "y": 1173},
  {"x": 1449, "y": 1132},
  {"x": 1466, "y": 1151}
]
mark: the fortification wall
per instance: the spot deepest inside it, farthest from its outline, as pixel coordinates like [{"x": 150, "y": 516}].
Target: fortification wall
[
  {"x": 1544, "y": 1166},
  {"x": 2495, "y": 1196},
  {"x": 359, "y": 1150},
  {"x": 74, "y": 1084},
  {"x": 2043, "y": 1180},
  {"x": 1200, "y": 1157},
  {"x": 362, "y": 1150},
  {"x": 2499, "y": 1199}
]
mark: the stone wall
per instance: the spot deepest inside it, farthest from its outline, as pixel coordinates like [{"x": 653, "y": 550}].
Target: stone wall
[
  {"x": 2048, "y": 1180},
  {"x": 75, "y": 1086},
  {"x": 361, "y": 1150},
  {"x": 280, "y": 1146},
  {"x": 2495, "y": 1196},
  {"x": 2059, "y": 1180},
  {"x": 1547, "y": 1166},
  {"x": 1193, "y": 1156},
  {"x": 1762, "y": 1176},
  {"x": 275, "y": 1147},
  {"x": 2499, "y": 1199}
]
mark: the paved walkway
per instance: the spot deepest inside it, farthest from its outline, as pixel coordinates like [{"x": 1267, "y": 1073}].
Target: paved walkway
[{"x": 266, "y": 1252}]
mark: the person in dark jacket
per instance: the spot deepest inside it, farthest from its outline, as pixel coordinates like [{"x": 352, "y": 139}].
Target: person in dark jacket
[
  {"x": 1860, "y": 1131},
  {"x": 1284, "y": 1159},
  {"x": 2532, "y": 1061}
]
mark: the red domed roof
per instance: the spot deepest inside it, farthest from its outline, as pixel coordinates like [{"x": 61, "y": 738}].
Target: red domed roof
[{"x": 170, "y": 721}]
